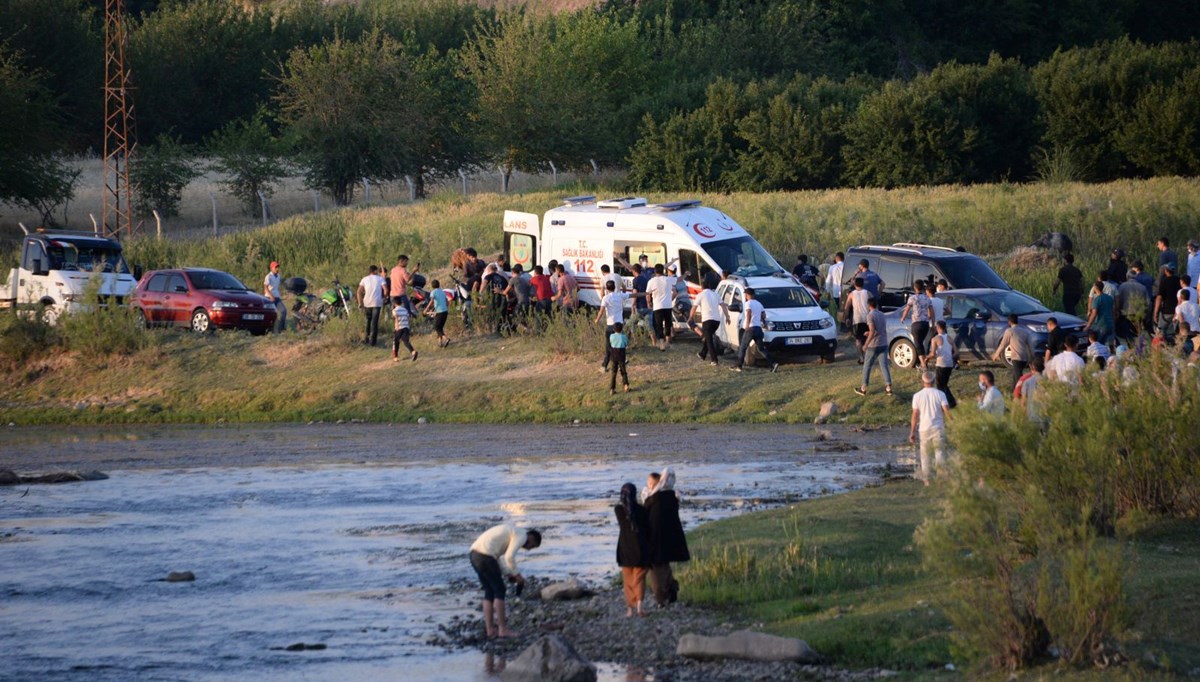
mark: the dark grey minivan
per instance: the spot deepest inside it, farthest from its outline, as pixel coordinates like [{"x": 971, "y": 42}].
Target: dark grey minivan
[{"x": 899, "y": 265}]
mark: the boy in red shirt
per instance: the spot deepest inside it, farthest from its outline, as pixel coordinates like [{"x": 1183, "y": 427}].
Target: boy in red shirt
[{"x": 542, "y": 290}]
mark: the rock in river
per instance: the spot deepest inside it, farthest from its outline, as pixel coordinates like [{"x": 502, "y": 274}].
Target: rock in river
[
  {"x": 9, "y": 477},
  {"x": 180, "y": 577},
  {"x": 747, "y": 645},
  {"x": 550, "y": 659}
]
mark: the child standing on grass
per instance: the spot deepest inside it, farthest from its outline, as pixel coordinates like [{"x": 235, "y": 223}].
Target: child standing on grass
[
  {"x": 401, "y": 335},
  {"x": 619, "y": 343},
  {"x": 441, "y": 310}
]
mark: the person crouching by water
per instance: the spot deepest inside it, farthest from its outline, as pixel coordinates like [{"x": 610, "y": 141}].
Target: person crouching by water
[
  {"x": 494, "y": 557},
  {"x": 666, "y": 540},
  {"x": 632, "y": 549}
]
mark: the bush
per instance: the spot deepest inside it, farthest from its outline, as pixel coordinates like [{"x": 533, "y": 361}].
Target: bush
[
  {"x": 250, "y": 158},
  {"x": 159, "y": 172},
  {"x": 103, "y": 329},
  {"x": 23, "y": 337}
]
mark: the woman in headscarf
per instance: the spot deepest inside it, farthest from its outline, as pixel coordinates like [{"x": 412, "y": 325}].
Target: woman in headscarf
[
  {"x": 666, "y": 539},
  {"x": 632, "y": 554}
]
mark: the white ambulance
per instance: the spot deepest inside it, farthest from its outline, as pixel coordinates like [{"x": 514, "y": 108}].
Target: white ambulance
[{"x": 584, "y": 234}]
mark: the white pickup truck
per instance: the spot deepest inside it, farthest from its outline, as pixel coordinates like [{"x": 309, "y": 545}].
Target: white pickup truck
[{"x": 56, "y": 268}]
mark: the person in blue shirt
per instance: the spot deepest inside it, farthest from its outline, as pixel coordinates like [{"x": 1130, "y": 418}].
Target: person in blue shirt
[
  {"x": 619, "y": 344},
  {"x": 871, "y": 281},
  {"x": 641, "y": 302},
  {"x": 440, "y": 305}
]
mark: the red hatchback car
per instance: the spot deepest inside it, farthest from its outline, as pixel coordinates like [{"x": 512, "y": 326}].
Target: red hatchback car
[{"x": 202, "y": 299}]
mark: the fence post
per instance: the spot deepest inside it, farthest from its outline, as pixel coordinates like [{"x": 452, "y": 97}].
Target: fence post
[
  {"x": 262, "y": 199},
  {"x": 463, "y": 175},
  {"x": 503, "y": 182},
  {"x": 214, "y": 206},
  {"x": 366, "y": 191},
  {"x": 316, "y": 200},
  {"x": 157, "y": 225},
  {"x": 595, "y": 167},
  {"x": 412, "y": 188},
  {"x": 95, "y": 225},
  {"x": 553, "y": 173}
]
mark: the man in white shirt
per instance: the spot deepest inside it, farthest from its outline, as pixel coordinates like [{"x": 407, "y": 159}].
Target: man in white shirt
[
  {"x": 833, "y": 280},
  {"x": 991, "y": 400},
  {"x": 661, "y": 290},
  {"x": 494, "y": 557},
  {"x": 712, "y": 310},
  {"x": 938, "y": 303},
  {"x": 1193, "y": 263},
  {"x": 606, "y": 276},
  {"x": 1067, "y": 365},
  {"x": 1187, "y": 310},
  {"x": 271, "y": 290},
  {"x": 754, "y": 317},
  {"x": 612, "y": 309},
  {"x": 857, "y": 309},
  {"x": 929, "y": 414},
  {"x": 371, "y": 293}
]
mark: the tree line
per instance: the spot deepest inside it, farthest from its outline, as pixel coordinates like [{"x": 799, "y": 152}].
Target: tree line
[{"x": 700, "y": 94}]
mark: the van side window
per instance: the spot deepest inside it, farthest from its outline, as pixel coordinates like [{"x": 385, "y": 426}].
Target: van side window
[
  {"x": 690, "y": 266},
  {"x": 894, "y": 273},
  {"x": 924, "y": 271},
  {"x": 625, "y": 254},
  {"x": 157, "y": 283}
]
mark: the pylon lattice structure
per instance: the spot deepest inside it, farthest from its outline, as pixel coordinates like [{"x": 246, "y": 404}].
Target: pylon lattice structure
[{"x": 120, "y": 137}]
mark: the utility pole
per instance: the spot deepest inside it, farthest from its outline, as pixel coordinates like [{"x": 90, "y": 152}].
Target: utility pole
[{"x": 120, "y": 136}]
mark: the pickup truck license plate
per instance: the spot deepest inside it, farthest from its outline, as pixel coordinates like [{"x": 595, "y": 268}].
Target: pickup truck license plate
[
  {"x": 252, "y": 316},
  {"x": 799, "y": 341}
]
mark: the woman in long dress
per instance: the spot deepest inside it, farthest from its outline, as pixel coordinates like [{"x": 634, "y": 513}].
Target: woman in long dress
[
  {"x": 667, "y": 543},
  {"x": 632, "y": 550}
]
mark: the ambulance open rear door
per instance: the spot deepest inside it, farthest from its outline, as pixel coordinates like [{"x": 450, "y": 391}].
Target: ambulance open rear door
[{"x": 521, "y": 239}]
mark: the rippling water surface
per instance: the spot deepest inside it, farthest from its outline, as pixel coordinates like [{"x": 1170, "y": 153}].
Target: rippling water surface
[{"x": 357, "y": 557}]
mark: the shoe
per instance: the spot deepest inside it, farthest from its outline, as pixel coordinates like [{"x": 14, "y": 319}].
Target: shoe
[
  {"x": 626, "y": 388},
  {"x": 700, "y": 355},
  {"x": 713, "y": 363},
  {"x": 603, "y": 369},
  {"x": 612, "y": 391},
  {"x": 860, "y": 362},
  {"x": 774, "y": 367},
  {"x": 395, "y": 359},
  {"x": 888, "y": 390},
  {"x": 860, "y": 391},
  {"x": 414, "y": 356},
  {"x": 736, "y": 369}
]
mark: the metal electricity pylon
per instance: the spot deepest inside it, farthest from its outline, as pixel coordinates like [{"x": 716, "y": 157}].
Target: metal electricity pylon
[{"x": 120, "y": 136}]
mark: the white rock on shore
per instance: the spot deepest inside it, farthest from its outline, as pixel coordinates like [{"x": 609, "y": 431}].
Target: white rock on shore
[{"x": 746, "y": 645}]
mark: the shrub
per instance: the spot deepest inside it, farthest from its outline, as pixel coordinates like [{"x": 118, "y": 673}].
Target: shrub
[
  {"x": 103, "y": 329},
  {"x": 25, "y": 336},
  {"x": 250, "y": 158}
]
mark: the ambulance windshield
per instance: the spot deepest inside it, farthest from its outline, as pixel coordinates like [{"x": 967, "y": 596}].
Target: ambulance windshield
[{"x": 742, "y": 256}]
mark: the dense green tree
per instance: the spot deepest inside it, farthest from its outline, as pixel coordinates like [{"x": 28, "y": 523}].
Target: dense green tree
[
  {"x": 1162, "y": 132},
  {"x": 198, "y": 66},
  {"x": 249, "y": 158},
  {"x": 64, "y": 42},
  {"x": 32, "y": 176},
  {"x": 795, "y": 141},
  {"x": 1089, "y": 94},
  {"x": 159, "y": 173},
  {"x": 368, "y": 108},
  {"x": 961, "y": 123}
]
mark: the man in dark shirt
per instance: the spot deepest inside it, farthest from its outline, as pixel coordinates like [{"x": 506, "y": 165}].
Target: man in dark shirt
[
  {"x": 803, "y": 269},
  {"x": 1164, "y": 301},
  {"x": 641, "y": 278},
  {"x": 1166, "y": 255},
  {"x": 1056, "y": 339},
  {"x": 1117, "y": 270},
  {"x": 1070, "y": 278}
]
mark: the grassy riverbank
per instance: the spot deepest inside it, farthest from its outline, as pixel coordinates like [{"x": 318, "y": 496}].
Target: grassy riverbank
[{"x": 842, "y": 573}]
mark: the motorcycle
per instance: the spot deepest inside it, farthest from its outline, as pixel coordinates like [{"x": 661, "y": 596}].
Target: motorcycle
[{"x": 311, "y": 311}]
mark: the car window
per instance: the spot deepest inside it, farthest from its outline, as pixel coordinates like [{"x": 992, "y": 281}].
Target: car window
[
  {"x": 963, "y": 307},
  {"x": 157, "y": 283},
  {"x": 733, "y": 298},
  {"x": 210, "y": 280},
  {"x": 34, "y": 251},
  {"x": 176, "y": 282},
  {"x": 970, "y": 272},
  {"x": 925, "y": 271},
  {"x": 894, "y": 273},
  {"x": 691, "y": 267},
  {"x": 1014, "y": 303},
  {"x": 784, "y": 297}
]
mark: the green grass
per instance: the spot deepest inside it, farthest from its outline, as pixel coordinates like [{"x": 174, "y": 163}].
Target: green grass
[{"x": 862, "y": 598}]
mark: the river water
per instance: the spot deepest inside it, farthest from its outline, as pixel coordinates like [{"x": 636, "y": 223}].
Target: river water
[{"x": 346, "y": 537}]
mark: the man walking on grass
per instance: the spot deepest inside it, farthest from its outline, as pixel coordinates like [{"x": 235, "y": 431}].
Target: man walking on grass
[
  {"x": 930, "y": 410},
  {"x": 612, "y": 310},
  {"x": 370, "y": 295},
  {"x": 754, "y": 317},
  {"x": 661, "y": 290},
  {"x": 875, "y": 345},
  {"x": 712, "y": 310},
  {"x": 1017, "y": 338},
  {"x": 857, "y": 310},
  {"x": 494, "y": 558}
]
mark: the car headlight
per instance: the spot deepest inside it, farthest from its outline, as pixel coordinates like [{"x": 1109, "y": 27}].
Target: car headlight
[
  {"x": 224, "y": 304},
  {"x": 826, "y": 322},
  {"x": 1038, "y": 328},
  {"x": 770, "y": 326}
]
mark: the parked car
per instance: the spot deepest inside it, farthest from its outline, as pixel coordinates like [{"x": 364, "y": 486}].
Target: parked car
[
  {"x": 899, "y": 265},
  {"x": 975, "y": 321},
  {"x": 796, "y": 323},
  {"x": 201, "y": 299}
]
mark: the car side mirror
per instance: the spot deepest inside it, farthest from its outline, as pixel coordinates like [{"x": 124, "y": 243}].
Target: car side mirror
[
  {"x": 180, "y": 289},
  {"x": 37, "y": 267},
  {"x": 982, "y": 315}
]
